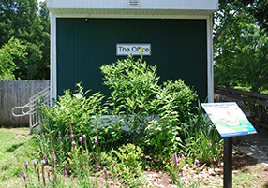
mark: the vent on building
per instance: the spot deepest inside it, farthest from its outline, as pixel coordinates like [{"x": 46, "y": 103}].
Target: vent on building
[{"x": 134, "y": 3}]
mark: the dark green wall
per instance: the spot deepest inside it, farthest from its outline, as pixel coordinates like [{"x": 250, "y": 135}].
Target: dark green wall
[{"x": 179, "y": 49}]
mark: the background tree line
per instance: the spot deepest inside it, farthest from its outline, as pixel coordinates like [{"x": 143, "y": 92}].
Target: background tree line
[
  {"x": 24, "y": 40},
  {"x": 240, "y": 42}
]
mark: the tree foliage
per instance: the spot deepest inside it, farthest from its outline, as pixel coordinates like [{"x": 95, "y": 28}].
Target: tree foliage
[
  {"x": 256, "y": 8},
  {"x": 240, "y": 46},
  {"x": 13, "y": 49},
  {"x": 22, "y": 20}
]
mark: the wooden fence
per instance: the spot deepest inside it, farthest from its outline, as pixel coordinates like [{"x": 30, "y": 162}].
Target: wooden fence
[
  {"x": 255, "y": 105},
  {"x": 14, "y": 93}
]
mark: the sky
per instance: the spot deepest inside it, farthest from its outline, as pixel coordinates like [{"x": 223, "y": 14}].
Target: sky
[{"x": 40, "y": 1}]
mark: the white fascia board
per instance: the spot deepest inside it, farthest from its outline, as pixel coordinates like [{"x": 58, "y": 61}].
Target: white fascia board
[
  {"x": 128, "y": 13},
  {"x": 199, "y": 17}
]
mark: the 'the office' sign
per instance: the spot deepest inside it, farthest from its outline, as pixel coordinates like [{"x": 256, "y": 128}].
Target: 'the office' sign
[{"x": 133, "y": 49}]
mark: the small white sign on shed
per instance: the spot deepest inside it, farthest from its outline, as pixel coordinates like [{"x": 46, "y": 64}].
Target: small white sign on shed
[{"x": 133, "y": 49}]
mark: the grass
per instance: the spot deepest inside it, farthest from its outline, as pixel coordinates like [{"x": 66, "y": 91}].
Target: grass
[
  {"x": 246, "y": 179},
  {"x": 16, "y": 145}
]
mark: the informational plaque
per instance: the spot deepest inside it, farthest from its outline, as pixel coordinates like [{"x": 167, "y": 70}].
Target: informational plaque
[
  {"x": 229, "y": 119},
  {"x": 133, "y": 49}
]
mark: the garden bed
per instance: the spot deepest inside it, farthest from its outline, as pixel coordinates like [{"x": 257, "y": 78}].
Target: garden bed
[{"x": 18, "y": 146}]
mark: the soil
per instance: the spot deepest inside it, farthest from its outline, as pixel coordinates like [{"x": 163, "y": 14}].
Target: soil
[{"x": 212, "y": 177}]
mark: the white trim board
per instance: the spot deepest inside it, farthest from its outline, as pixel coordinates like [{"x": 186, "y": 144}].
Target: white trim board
[{"x": 53, "y": 59}]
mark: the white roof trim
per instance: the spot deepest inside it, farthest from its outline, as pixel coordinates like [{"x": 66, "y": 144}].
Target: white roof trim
[{"x": 132, "y": 13}]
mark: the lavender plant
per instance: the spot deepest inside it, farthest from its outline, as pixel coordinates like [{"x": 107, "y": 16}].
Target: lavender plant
[{"x": 174, "y": 168}]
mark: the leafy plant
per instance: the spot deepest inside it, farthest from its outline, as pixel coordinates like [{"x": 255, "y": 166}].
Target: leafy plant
[
  {"x": 84, "y": 114},
  {"x": 128, "y": 166},
  {"x": 202, "y": 140},
  {"x": 152, "y": 113}
]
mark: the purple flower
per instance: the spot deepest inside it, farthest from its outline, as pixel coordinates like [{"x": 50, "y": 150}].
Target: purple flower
[
  {"x": 73, "y": 143},
  {"x": 196, "y": 162},
  {"x": 179, "y": 175},
  {"x": 25, "y": 184},
  {"x": 182, "y": 155},
  {"x": 56, "y": 179},
  {"x": 175, "y": 158},
  {"x": 43, "y": 162},
  {"x": 34, "y": 162},
  {"x": 84, "y": 136},
  {"x": 80, "y": 139},
  {"x": 96, "y": 140},
  {"x": 71, "y": 136},
  {"x": 45, "y": 156},
  {"x": 112, "y": 164},
  {"x": 25, "y": 163},
  {"x": 59, "y": 137},
  {"x": 23, "y": 175},
  {"x": 105, "y": 170}
]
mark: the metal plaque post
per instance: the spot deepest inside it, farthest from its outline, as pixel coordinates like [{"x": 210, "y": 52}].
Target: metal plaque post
[{"x": 227, "y": 169}]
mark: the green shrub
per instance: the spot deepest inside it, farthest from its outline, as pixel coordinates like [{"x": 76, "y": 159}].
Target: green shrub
[
  {"x": 83, "y": 113},
  {"x": 141, "y": 111},
  {"x": 153, "y": 113},
  {"x": 139, "y": 118}
]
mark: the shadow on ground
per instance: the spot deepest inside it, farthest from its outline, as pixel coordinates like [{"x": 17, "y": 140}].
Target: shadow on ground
[{"x": 14, "y": 147}]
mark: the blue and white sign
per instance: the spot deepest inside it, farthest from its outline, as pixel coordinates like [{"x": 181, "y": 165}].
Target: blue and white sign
[
  {"x": 229, "y": 119},
  {"x": 133, "y": 49}
]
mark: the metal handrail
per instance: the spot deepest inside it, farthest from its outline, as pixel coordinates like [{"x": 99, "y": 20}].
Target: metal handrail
[
  {"x": 33, "y": 101},
  {"x": 23, "y": 113}
]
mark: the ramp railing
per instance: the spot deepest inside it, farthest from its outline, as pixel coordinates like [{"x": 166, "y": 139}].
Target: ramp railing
[{"x": 39, "y": 99}]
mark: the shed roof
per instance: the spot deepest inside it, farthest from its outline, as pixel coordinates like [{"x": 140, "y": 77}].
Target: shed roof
[{"x": 78, "y": 8}]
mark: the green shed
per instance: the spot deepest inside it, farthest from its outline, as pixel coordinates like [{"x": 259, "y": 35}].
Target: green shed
[{"x": 177, "y": 36}]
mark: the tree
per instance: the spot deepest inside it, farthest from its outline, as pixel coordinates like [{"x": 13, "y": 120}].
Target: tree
[
  {"x": 8, "y": 53},
  {"x": 257, "y": 8},
  {"x": 233, "y": 8},
  {"x": 22, "y": 20},
  {"x": 240, "y": 47}
]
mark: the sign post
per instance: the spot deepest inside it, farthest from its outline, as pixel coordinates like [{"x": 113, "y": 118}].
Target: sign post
[
  {"x": 227, "y": 168},
  {"x": 230, "y": 121}
]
